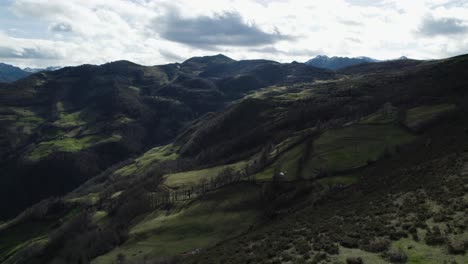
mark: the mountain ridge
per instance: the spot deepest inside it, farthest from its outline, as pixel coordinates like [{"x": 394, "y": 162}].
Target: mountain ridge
[
  {"x": 337, "y": 63},
  {"x": 298, "y": 164},
  {"x": 10, "y": 73},
  {"x": 92, "y": 116}
]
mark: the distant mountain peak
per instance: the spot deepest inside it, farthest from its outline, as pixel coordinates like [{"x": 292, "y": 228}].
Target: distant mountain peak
[
  {"x": 34, "y": 70},
  {"x": 335, "y": 63},
  {"x": 10, "y": 73},
  {"x": 219, "y": 58}
]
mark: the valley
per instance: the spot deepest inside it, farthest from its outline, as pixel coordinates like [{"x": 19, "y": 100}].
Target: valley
[{"x": 221, "y": 161}]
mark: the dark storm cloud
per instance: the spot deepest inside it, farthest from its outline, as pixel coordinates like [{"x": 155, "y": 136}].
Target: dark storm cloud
[
  {"x": 61, "y": 27},
  {"x": 26, "y": 53},
  {"x": 226, "y": 29},
  {"x": 442, "y": 26}
]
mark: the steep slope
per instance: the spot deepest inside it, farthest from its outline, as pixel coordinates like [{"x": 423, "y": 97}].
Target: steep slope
[
  {"x": 9, "y": 73},
  {"x": 62, "y": 127},
  {"x": 369, "y": 165}
]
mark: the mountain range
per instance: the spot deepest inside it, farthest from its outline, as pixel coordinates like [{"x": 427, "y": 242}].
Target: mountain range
[
  {"x": 336, "y": 63},
  {"x": 215, "y": 160},
  {"x": 10, "y": 73},
  {"x": 34, "y": 70}
]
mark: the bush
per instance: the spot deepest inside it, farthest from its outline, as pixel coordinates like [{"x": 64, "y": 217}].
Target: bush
[
  {"x": 349, "y": 242},
  {"x": 434, "y": 237},
  {"x": 378, "y": 245},
  {"x": 396, "y": 255},
  {"x": 354, "y": 260},
  {"x": 285, "y": 256},
  {"x": 456, "y": 246},
  {"x": 303, "y": 247},
  {"x": 320, "y": 256}
]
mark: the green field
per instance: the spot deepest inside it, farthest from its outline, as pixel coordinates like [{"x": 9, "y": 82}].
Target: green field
[
  {"x": 67, "y": 120},
  {"x": 193, "y": 177},
  {"x": 218, "y": 216},
  {"x": 23, "y": 119},
  {"x": 339, "y": 150},
  {"x": 46, "y": 148},
  {"x": 283, "y": 93},
  {"x": 286, "y": 163},
  {"x": 381, "y": 117},
  {"x": 149, "y": 158},
  {"x": 353, "y": 146},
  {"x": 417, "y": 116},
  {"x": 89, "y": 199}
]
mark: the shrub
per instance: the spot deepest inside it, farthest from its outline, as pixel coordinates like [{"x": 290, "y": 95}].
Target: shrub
[
  {"x": 285, "y": 256},
  {"x": 354, "y": 260},
  {"x": 396, "y": 255},
  {"x": 300, "y": 260},
  {"x": 349, "y": 242},
  {"x": 378, "y": 245},
  {"x": 434, "y": 237},
  {"x": 456, "y": 246},
  {"x": 319, "y": 257},
  {"x": 303, "y": 247}
]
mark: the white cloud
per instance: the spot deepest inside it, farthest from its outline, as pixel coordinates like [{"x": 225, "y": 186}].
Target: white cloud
[{"x": 85, "y": 31}]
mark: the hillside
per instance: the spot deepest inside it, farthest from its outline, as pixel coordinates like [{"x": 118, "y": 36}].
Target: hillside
[
  {"x": 10, "y": 73},
  {"x": 221, "y": 161},
  {"x": 62, "y": 127}
]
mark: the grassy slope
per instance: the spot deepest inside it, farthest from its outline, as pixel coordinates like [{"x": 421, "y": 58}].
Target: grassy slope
[
  {"x": 152, "y": 156},
  {"x": 353, "y": 146},
  {"x": 14, "y": 238},
  {"x": 422, "y": 114},
  {"x": 339, "y": 150},
  {"x": 46, "y": 148},
  {"x": 286, "y": 162},
  {"x": 424, "y": 178},
  {"x": 420, "y": 253},
  {"x": 194, "y": 176},
  {"x": 219, "y": 215}
]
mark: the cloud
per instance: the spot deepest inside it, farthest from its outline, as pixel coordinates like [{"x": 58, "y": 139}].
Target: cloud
[
  {"x": 27, "y": 53},
  {"x": 294, "y": 52},
  {"x": 350, "y": 22},
  {"x": 442, "y": 26},
  {"x": 225, "y": 29},
  {"x": 61, "y": 27},
  {"x": 171, "y": 56},
  {"x": 149, "y": 32}
]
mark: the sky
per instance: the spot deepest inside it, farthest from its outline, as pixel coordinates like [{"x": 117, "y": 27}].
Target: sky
[{"x": 40, "y": 33}]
